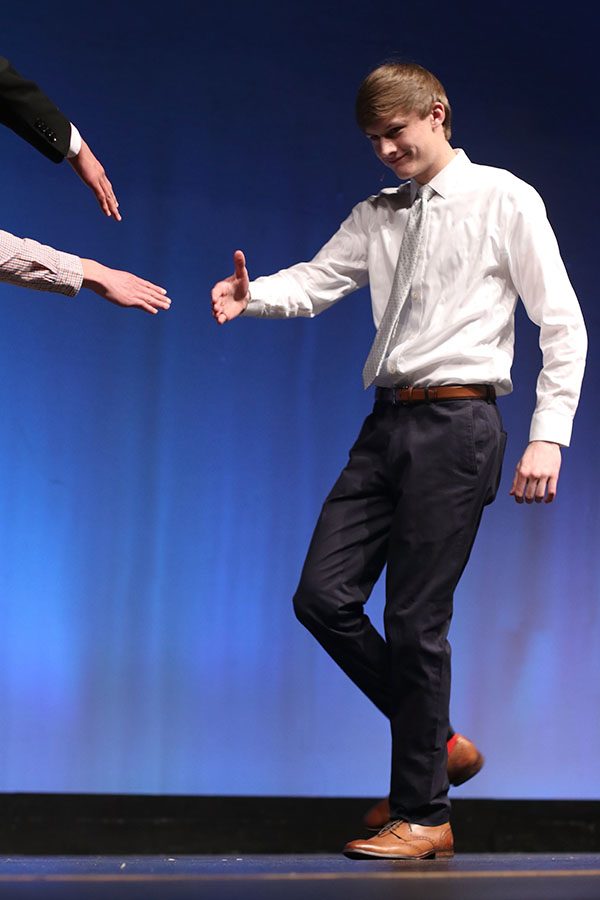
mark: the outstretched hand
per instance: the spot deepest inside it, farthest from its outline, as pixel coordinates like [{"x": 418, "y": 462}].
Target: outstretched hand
[
  {"x": 536, "y": 475},
  {"x": 230, "y": 297},
  {"x": 123, "y": 288},
  {"x": 92, "y": 173}
]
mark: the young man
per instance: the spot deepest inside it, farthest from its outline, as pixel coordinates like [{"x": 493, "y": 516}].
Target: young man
[{"x": 447, "y": 255}]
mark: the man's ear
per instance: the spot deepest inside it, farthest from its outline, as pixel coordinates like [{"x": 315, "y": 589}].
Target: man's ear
[{"x": 438, "y": 114}]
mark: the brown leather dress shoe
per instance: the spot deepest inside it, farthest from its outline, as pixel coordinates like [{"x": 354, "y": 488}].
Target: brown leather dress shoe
[
  {"x": 403, "y": 840},
  {"x": 464, "y": 761}
]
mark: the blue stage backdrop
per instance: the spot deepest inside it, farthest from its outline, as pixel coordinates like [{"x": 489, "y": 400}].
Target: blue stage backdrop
[{"x": 160, "y": 477}]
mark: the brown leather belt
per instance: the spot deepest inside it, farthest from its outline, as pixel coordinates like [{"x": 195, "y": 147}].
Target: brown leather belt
[{"x": 405, "y": 394}]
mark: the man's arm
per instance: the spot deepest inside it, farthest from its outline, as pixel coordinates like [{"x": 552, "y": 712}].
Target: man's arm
[
  {"x": 27, "y": 263},
  {"x": 305, "y": 289},
  {"x": 542, "y": 282},
  {"x": 32, "y": 115},
  {"x": 29, "y": 113}
]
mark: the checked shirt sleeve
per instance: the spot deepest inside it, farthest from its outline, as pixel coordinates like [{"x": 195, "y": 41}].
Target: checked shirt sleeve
[{"x": 29, "y": 264}]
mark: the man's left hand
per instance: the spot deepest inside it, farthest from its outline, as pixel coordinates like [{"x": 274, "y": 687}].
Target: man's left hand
[
  {"x": 91, "y": 171},
  {"x": 536, "y": 475}
]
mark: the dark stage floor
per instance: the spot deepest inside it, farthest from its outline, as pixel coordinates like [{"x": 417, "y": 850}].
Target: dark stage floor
[{"x": 466, "y": 877}]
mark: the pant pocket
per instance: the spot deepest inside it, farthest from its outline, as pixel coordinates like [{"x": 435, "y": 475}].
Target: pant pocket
[{"x": 497, "y": 473}]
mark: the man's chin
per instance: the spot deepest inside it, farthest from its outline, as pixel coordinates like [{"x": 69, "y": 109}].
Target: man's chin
[{"x": 403, "y": 168}]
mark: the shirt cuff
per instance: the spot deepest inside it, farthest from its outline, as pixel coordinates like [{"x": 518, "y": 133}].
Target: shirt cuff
[
  {"x": 551, "y": 426},
  {"x": 256, "y": 307},
  {"x": 70, "y": 274},
  {"x": 75, "y": 145}
]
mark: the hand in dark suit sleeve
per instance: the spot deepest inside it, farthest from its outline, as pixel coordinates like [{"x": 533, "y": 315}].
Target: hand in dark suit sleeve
[{"x": 29, "y": 113}]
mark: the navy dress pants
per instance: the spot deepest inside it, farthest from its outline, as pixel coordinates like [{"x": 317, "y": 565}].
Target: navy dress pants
[{"x": 410, "y": 499}]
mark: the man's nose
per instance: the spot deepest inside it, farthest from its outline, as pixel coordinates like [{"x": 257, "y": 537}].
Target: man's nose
[{"x": 386, "y": 147}]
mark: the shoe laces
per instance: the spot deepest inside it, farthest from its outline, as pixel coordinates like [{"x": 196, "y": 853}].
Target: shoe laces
[{"x": 390, "y": 826}]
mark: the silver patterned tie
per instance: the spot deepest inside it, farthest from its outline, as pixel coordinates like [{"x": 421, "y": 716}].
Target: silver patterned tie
[{"x": 403, "y": 276}]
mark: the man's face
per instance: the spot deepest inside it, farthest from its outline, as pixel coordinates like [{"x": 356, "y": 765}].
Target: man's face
[{"x": 410, "y": 146}]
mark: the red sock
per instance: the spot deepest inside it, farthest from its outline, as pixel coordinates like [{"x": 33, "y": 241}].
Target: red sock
[{"x": 452, "y": 743}]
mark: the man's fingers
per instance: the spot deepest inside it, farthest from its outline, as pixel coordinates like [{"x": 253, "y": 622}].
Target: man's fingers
[
  {"x": 526, "y": 489},
  {"x": 159, "y": 303},
  {"x": 219, "y": 313},
  {"x": 220, "y": 294},
  {"x": 239, "y": 264},
  {"x": 538, "y": 490},
  {"x": 107, "y": 200},
  {"x": 518, "y": 487},
  {"x": 533, "y": 487},
  {"x": 102, "y": 198},
  {"x": 146, "y": 288},
  {"x": 135, "y": 291},
  {"x": 110, "y": 205},
  {"x": 545, "y": 490},
  {"x": 151, "y": 286},
  {"x": 113, "y": 206},
  {"x": 551, "y": 489},
  {"x": 111, "y": 200},
  {"x": 154, "y": 296}
]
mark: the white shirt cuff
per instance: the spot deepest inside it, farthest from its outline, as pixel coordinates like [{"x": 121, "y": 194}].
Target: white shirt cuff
[
  {"x": 551, "y": 426},
  {"x": 75, "y": 145}
]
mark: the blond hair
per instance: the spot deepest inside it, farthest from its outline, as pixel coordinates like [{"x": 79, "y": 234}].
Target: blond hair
[{"x": 397, "y": 86}]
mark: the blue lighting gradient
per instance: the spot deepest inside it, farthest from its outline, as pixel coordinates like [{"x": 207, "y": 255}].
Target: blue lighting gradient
[{"x": 160, "y": 477}]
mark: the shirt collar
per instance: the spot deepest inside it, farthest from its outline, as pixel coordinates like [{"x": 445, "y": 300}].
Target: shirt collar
[{"x": 448, "y": 180}]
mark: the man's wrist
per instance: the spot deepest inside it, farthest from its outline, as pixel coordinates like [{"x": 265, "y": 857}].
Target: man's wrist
[
  {"x": 548, "y": 443},
  {"x": 247, "y": 299},
  {"x": 92, "y": 274}
]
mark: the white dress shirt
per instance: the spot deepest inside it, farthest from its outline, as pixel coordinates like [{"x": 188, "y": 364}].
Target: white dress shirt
[
  {"x": 30, "y": 264},
  {"x": 487, "y": 242}
]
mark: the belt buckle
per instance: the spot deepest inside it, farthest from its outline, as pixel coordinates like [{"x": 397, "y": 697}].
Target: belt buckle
[{"x": 402, "y": 387}]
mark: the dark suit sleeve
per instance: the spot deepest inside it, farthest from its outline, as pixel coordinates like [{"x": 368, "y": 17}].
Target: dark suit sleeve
[{"x": 25, "y": 109}]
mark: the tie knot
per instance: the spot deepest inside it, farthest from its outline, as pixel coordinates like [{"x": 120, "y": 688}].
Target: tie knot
[{"x": 426, "y": 192}]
